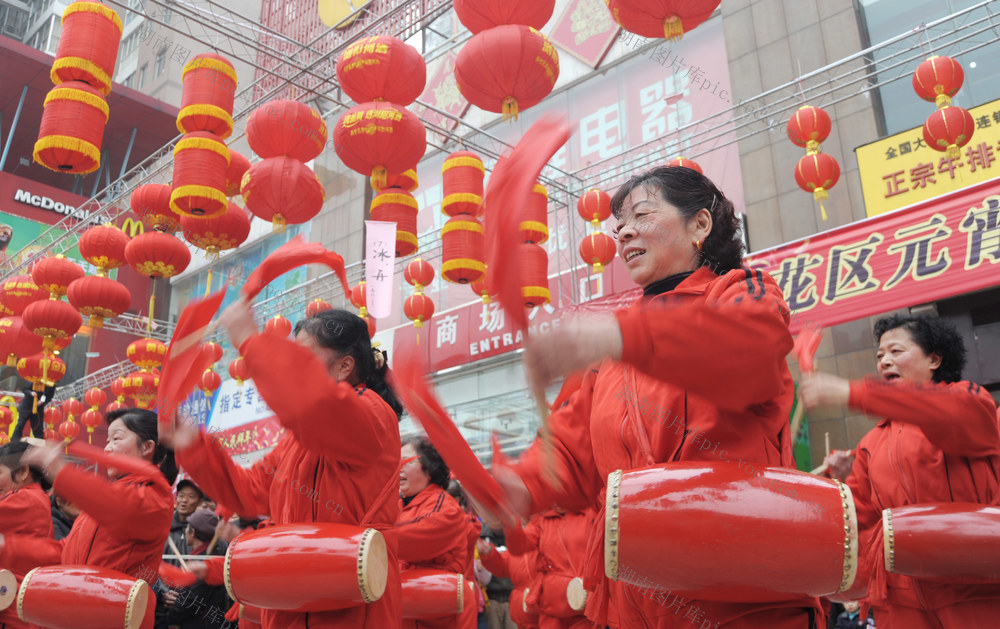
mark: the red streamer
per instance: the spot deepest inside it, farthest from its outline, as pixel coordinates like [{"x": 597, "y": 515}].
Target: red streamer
[
  {"x": 806, "y": 344},
  {"x": 291, "y": 255}
]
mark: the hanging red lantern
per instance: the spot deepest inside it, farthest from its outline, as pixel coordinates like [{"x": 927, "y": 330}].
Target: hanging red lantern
[
  {"x": 17, "y": 292},
  {"x": 279, "y": 326},
  {"x": 949, "y": 129},
  {"x": 594, "y": 206},
  {"x": 282, "y": 190},
  {"x": 212, "y": 352},
  {"x": 286, "y": 127},
  {"x": 661, "y": 18},
  {"x": 371, "y": 326},
  {"x": 52, "y": 416},
  {"x": 151, "y": 203},
  {"x": 209, "y": 382},
  {"x": 114, "y": 406},
  {"x": 217, "y": 233},
  {"x": 53, "y": 320},
  {"x": 72, "y": 128},
  {"x": 155, "y": 254},
  {"x": 359, "y": 298},
  {"x": 238, "y": 166},
  {"x": 938, "y": 79},
  {"x": 88, "y": 46},
  {"x": 463, "y": 250},
  {"x": 315, "y": 307},
  {"x": 477, "y": 16},
  {"x": 418, "y": 274},
  {"x": 817, "y": 173},
  {"x": 395, "y": 205},
  {"x": 535, "y": 226},
  {"x": 104, "y": 247},
  {"x": 118, "y": 389},
  {"x": 72, "y": 407},
  {"x": 146, "y": 354},
  {"x": 418, "y": 308},
  {"x": 535, "y": 281},
  {"x": 55, "y": 274},
  {"x": 201, "y": 160},
  {"x": 378, "y": 138},
  {"x": 528, "y": 73},
  {"x": 382, "y": 68},
  {"x": 209, "y": 88},
  {"x": 99, "y": 298},
  {"x": 141, "y": 387},
  {"x": 684, "y": 163},
  {"x": 69, "y": 430},
  {"x": 95, "y": 397},
  {"x": 6, "y": 419},
  {"x": 41, "y": 370},
  {"x": 238, "y": 370},
  {"x": 91, "y": 419},
  {"x": 407, "y": 180},
  {"x": 598, "y": 250},
  {"x": 809, "y": 127},
  {"x": 4, "y": 439},
  {"x": 462, "y": 181},
  {"x": 479, "y": 288},
  {"x": 17, "y": 340}
]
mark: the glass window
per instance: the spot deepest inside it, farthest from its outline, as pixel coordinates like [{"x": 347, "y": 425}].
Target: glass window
[
  {"x": 142, "y": 75},
  {"x": 161, "y": 62}
]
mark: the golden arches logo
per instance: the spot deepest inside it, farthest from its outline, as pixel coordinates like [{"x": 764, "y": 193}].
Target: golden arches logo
[{"x": 133, "y": 227}]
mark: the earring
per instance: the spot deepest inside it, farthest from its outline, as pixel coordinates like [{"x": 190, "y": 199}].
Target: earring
[{"x": 697, "y": 245}]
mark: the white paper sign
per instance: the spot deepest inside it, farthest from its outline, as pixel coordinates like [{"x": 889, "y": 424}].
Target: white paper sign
[{"x": 380, "y": 256}]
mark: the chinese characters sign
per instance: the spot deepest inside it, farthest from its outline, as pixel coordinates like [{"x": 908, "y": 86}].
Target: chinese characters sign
[
  {"x": 902, "y": 170},
  {"x": 380, "y": 240}
]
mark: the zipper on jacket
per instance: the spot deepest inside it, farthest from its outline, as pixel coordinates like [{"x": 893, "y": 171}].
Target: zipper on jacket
[
  {"x": 316, "y": 490},
  {"x": 677, "y": 452}
]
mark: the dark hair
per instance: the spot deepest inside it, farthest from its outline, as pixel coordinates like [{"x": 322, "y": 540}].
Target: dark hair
[
  {"x": 690, "y": 191},
  {"x": 431, "y": 462},
  {"x": 143, "y": 423},
  {"x": 347, "y": 334},
  {"x": 455, "y": 491},
  {"x": 10, "y": 456},
  {"x": 934, "y": 335}
]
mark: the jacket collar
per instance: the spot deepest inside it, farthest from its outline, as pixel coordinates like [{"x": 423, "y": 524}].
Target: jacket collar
[{"x": 694, "y": 283}]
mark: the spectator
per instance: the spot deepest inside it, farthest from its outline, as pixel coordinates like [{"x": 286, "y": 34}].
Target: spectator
[
  {"x": 851, "y": 617},
  {"x": 189, "y": 496},
  {"x": 197, "y": 607},
  {"x": 497, "y": 590},
  {"x": 63, "y": 515}
]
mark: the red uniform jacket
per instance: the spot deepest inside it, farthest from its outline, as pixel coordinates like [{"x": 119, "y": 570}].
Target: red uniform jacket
[
  {"x": 703, "y": 377},
  {"x": 338, "y": 462},
  {"x": 937, "y": 443},
  {"x": 25, "y": 511},
  {"x": 432, "y": 532}
]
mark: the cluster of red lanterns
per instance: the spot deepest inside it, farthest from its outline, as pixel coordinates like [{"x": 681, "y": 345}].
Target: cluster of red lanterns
[
  {"x": 75, "y": 110},
  {"x": 655, "y": 18},
  {"x": 463, "y": 240},
  {"x": 817, "y": 172},
  {"x": 418, "y": 307},
  {"x": 596, "y": 249},
  {"x": 148, "y": 355},
  {"x": 210, "y": 381},
  {"x": 508, "y": 65},
  {"x": 99, "y": 297},
  {"x": 16, "y": 340},
  {"x": 950, "y": 127},
  {"x": 92, "y": 418}
]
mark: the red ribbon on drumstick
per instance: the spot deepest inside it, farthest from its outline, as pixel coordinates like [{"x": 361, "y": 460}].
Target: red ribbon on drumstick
[
  {"x": 806, "y": 344},
  {"x": 291, "y": 255}
]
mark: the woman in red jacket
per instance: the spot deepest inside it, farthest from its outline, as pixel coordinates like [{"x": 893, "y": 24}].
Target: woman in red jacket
[
  {"x": 693, "y": 371},
  {"x": 432, "y": 530},
  {"x": 338, "y": 460},
  {"x": 938, "y": 441}
]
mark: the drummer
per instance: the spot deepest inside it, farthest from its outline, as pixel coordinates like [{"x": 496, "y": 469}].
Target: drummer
[
  {"x": 338, "y": 460},
  {"x": 938, "y": 441},
  {"x": 693, "y": 371}
]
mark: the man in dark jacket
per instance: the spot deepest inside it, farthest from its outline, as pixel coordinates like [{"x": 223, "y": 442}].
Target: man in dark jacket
[
  {"x": 189, "y": 496},
  {"x": 497, "y": 590},
  {"x": 63, "y": 516}
]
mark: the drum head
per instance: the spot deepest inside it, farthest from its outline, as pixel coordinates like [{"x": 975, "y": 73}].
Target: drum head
[
  {"x": 576, "y": 596},
  {"x": 135, "y": 611},
  {"x": 8, "y": 589},
  {"x": 373, "y": 565}
]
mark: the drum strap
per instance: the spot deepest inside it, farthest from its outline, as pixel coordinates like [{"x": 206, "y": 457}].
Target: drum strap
[
  {"x": 382, "y": 498},
  {"x": 634, "y": 416}
]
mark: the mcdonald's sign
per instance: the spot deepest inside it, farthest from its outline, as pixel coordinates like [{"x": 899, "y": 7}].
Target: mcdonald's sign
[{"x": 133, "y": 227}]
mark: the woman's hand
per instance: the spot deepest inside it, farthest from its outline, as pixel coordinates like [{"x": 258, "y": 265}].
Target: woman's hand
[
  {"x": 484, "y": 547},
  {"x": 576, "y": 343},
  {"x": 169, "y": 598},
  {"x": 177, "y": 434},
  {"x": 238, "y": 321},
  {"x": 838, "y": 463},
  {"x": 49, "y": 459},
  {"x": 822, "y": 389},
  {"x": 198, "y": 569}
]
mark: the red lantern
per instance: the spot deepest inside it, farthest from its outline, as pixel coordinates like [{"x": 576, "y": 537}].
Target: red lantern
[
  {"x": 141, "y": 386},
  {"x": 418, "y": 308},
  {"x": 41, "y": 370},
  {"x": 104, "y": 247},
  {"x": 462, "y": 179},
  {"x": 17, "y": 292},
  {"x": 238, "y": 166},
  {"x": 949, "y": 129},
  {"x": 418, "y": 274},
  {"x": 938, "y": 79},
  {"x": 6, "y": 419},
  {"x": 535, "y": 281},
  {"x": 289, "y": 128},
  {"x": 479, "y": 288},
  {"x": 91, "y": 419},
  {"x": 527, "y": 74},
  {"x": 212, "y": 352},
  {"x": 378, "y": 138},
  {"x": 118, "y": 389},
  {"x": 684, "y": 163},
  {"x": 395, "y": 205},
  {"x": 463, "y": 250},
  {"x": 155, "y": 254},
  {"x": 99, "y": 298},
  {"x": 69, "y": 430},
  {"x": 317, "y": 306},
  {"x": 88, "y": 45},
  {"x": 52, "y": 416},
  {"x": 17, "y": 340},
  {"x": 201, "y": 160},
  {"x": 359, "y": 298},
  {"x": 594, "y": 206},
  {"x": 53, "y": 320},
  {"x": 72, "y": 407},
  {"x": 371, "y": 326},
  {"x": 238, "y": 370},
  {"x": 151, "y": 203},
  {"x": 535, "y": 226},
  {"x": 666, "y": 18},
  {"x": 598, "y": 249},
  {"x": 114, "y": 406},
  {"x": 282, "y": 190},
  {"x": 207, "y": 95},
  {"x": 477, "y": 15},
  {"x": 146, "y": 354},
  {"x": 809, "y": 127},
  {"x": 209, "y": 382},
  {"x": 279, "y": 326},
  {"x": 382, "y": 68},
  {"x": 4, "y": 439},
  {"x": 55, "y": 274},
  {"x": 817, "y": 173},
  {"x": 217, "y": 233},
  {"x": 407, "y": 180},
  {"x": 95, "y": 397},
  {"x": 72, "y": 128}
]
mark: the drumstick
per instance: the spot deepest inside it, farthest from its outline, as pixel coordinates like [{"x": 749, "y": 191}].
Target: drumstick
[
  {"x": 820, "y": 469},
  {"x": 176, "y": 552},
  {"x": 826, "y": 438},
  {"x": 800, "y": 412}
]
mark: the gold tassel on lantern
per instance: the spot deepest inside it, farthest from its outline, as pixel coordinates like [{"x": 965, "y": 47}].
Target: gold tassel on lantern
[
  {"x": 277, "y": 223},
  {"x": 673, "y": 29},
  {"x": 820, "y": 194},
  {"x": 380, "y": 177},
  {"x": 509, "y": 109},
  {"x": 812, "y": 146},
  {"x": 942, "y": 101}
]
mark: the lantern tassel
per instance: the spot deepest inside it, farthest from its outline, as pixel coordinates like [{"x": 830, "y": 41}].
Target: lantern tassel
[
  {"x": 954, "y": 151},
  {"x": 598, "y": 268},
  {"x": 673, "y": 28},
  {"x": 942, "y": 101},
  {"x": 380, "y": 177},
  {"x": 509, "y": 109},
  {"x": 278, "y": 223},
  {"x": 34, "y": 403},
  {"x": 812, "y": 147},
  {"x": 208, "y": 280},
  {"x": 363, "y": 313},
  {"x": 820, "y": 194},
  {"x": 152, "y": 303},
  {"x": 11, "y": 360}
]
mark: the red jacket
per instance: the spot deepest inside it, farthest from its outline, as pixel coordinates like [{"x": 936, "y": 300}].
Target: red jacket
[
  {"x": 703, "y": 377},
  {"x": 433, "y": 532},
  {"x": 338, "y": 462},
  {"x": 25, "y": 511},
  {"x": 937, "y": 443}
]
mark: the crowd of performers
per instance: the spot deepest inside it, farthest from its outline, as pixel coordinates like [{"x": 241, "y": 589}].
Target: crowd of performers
[{"x": 694, "y": 372}]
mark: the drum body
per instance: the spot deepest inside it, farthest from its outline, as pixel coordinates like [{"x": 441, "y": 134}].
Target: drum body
[
  {"x": 320, "y": 566},
  {"x": 84, "y": 597},
  {"x": 728, "y": 532},
  {"x": 8, "y": 589},
  {"x": 250, "y": 613},
  {"x": 954, "y": 542},
  {"x": 432, "y": 593}
]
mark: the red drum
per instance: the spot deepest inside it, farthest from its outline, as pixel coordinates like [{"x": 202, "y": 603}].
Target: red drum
[
  {"x": 8, "y": 589},
  {"x": 519, "y": 612},
  {"x": 576, "y": 595},
  {"x": 84, "y": 597},
  {"x": 432, "y": 593},
  {"x": 250, "y": 613},
  {"x": 727, "y": 532},
  {"x": 955, "y": 542},
  {"x": 320, "y": 566}
]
